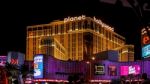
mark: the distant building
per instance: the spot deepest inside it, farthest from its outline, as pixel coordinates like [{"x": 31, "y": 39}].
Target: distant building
[
  {"x": 126, "y": 53},
  {"x": 74, "y": 38}
]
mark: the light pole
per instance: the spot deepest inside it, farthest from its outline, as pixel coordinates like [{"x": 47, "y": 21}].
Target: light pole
[{"x": 90, "y": 65}]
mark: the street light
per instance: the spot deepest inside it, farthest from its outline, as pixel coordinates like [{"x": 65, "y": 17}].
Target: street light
[
  {"x": 87, "y": 62},
  {"x": 90, "y": 64},
  {"x": 93, "y": 58}
]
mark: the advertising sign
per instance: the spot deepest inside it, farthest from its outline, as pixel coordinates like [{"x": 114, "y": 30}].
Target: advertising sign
[
  {"x": 146, "y": 51},
  {"x": 38, "y": 66},
  {"x": 124, "y": 70},
  {"x": 99, "y": 69},
  {"x": 134, "y": 69}
]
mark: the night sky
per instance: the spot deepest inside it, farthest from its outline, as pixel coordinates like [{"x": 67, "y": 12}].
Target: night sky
[{"x": 16, "y": 16}]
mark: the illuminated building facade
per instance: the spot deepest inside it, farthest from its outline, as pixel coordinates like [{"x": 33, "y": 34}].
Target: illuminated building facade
[
  {"x": 74, "y": 38},
  {"x": 126, "y": 53}
]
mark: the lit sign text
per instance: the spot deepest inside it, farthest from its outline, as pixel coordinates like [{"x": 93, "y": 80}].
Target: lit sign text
[
  {"x": 74, "y": 18},
  {"x": 103, "y": 25},
  {"x": 83, "y": 17}
]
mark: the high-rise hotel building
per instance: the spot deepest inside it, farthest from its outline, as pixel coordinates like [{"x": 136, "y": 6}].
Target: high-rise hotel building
[{"x": 74, "y": 38}]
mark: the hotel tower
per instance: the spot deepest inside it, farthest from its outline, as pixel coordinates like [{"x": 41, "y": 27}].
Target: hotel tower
[{"x": 74, "y": 38}]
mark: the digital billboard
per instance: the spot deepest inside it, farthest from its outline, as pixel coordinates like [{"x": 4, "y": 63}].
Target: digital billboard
[
  {"x": 124, "y": 70},
  {"x": 146, "y": 51},
  {"x": 112, "y": 70},
  {"x": 99, "y": 69},
  {"x": 38, "y": 66},
  {"x": 133, "y": 69}
]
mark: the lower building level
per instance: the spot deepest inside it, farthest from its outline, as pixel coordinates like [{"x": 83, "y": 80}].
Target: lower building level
[{"x": 56, "y": 70}]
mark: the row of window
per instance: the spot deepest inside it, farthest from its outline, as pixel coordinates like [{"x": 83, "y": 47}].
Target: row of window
[
  {"x": 59, "y": 48},
  {"x": 55, "y": 29},
  {"x": 110, "y": 37}
]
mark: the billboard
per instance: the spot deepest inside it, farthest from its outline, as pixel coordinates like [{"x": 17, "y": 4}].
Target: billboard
[
  {"x": 124, "y": 70},
  {"x": 146, "y": 51},
  {"x": 112, "y": 70},
  {"x": 133, "y": 69},
  {"x": 38, "y": 66},
  {"x": 99, "y": 69}
]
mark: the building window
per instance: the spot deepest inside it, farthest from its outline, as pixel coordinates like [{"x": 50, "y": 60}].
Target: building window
[
  {"x": 29, "y": 29},
  {"x": 73, "y": 26},
  {"x": 34, "y": 29},
  {"x": 50, "y": 30},
  {"x": 45, "y": 27},
  {"x": 79, "y": 24},
  {"x": 62, "y": 28},
  {"x": 67, "y": 27},
  {"x": 91, "y": 25},
  {"x": 85, "y": 24},
  {"x": 39, "y": 28},
  {"x": 56, "y": 29},
  {"x": 62, "y": 39},
  {"x": 107, "y": 34},
  {"x": 94, "y": 26}
]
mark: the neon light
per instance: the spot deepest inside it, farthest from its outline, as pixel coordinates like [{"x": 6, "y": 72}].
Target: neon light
[
  {"x": 14, "y": 61},
  {"x": 103, "y": 24},
  {"x": 134, "y": 69},
  {"x": 100, "y": 80},
  {"x": 68, "y": 19},
  {"x": 74, "y": 18},
  {"x": 146, "y": 51},
  {"x": 124, "y": 70},
  {"x": 49, "y": 80}
]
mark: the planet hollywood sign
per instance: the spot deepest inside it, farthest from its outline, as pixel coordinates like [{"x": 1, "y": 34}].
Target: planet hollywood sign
[
  {"x": 103, "y": 24},
  {"x": 74, "y": 18},
  {"x": 82, "y": 17}
]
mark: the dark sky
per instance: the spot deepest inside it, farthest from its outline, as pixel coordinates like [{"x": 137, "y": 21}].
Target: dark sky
[{"x": 16, "y": 16}]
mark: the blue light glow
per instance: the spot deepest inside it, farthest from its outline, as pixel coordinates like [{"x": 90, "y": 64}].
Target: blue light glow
[
  {"x": 38, "y": 66},
  {"x": 146, "y": 51}
]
